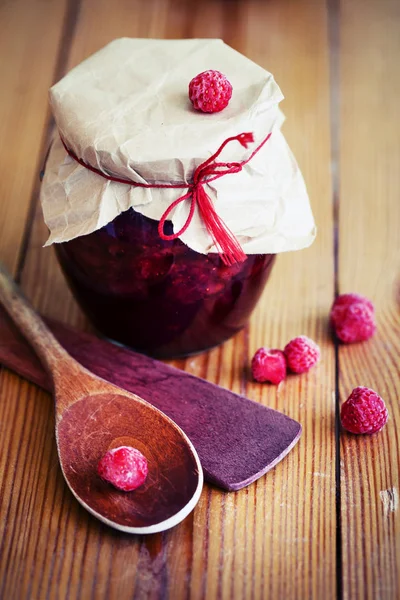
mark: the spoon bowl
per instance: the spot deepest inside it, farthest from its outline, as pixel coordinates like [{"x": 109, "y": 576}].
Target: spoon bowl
[
  {"x": 94, "y": 416},
  {"x": 97, "y": 423}
]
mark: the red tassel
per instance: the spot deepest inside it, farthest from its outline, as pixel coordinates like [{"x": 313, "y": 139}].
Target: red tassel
[{"x": 226, "y": 243}]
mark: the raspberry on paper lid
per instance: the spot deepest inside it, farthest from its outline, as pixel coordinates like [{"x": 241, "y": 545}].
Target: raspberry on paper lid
[
  {"x": 130, "y": 101},
  {"x": 125, "y": 111}
]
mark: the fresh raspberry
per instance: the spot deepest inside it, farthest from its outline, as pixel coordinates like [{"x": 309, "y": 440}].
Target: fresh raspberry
[
  {"x": 363, "y": 412},
  {"x": 210, "y": 91},
  {"x": 302, "y": 353},
  {"x": 268, "y": 365},
  {"x": 124, "y": 467},
  {"x": 347, "y": 299},
  {"x": 353, "y": 318}
]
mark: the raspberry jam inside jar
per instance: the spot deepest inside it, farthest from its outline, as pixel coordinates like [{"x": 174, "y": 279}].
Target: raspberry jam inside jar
[{"x": 159, "y": 297}]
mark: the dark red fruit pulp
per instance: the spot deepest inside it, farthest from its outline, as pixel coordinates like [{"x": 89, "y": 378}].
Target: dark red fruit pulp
[{"x": 159, "y": 297}]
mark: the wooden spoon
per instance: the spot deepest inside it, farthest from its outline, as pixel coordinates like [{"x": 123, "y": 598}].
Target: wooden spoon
[{"x": 93, "y": 416}]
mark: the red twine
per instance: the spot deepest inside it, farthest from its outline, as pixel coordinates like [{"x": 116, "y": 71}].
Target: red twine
[{"x": 225, "y": 241}]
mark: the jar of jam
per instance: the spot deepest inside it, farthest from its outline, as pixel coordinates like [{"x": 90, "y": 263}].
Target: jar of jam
[
  {"x": 166, "y": 220},
  {"x": 159, "y": 297}
]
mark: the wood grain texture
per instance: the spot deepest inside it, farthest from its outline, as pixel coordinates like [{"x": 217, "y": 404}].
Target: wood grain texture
[
  {"x": 276, "y": 539},
  {"x": 369, "y": 260},
  {"x": 299, "y": 502},
  {"x": 29, "y": 51}
]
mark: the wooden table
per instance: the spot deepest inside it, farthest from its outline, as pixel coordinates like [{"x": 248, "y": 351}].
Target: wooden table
[{"x": 325, "y": 522}]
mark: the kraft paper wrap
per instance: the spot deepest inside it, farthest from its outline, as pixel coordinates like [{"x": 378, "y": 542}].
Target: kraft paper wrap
[{"x": 125, "y": 110}]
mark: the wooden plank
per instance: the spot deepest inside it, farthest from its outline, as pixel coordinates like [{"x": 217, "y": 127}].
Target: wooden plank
[
  {"x": 29, "y": 51},
  {"x": 369, "y": 233},
  {"x": 297, "y": 504},
  {"x": 30, "y": 57},
  {"x": 261, "y": 542}
]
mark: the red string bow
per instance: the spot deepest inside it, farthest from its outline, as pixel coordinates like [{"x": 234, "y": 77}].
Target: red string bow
[
  {"x": 224, "y": 240},
  {"x": 210, "y": 170}
]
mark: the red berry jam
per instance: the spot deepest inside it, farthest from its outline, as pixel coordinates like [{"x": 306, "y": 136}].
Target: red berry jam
[{"x": 159, "y": 297}]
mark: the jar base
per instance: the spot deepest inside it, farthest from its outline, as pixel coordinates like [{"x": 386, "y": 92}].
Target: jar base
[{"x": 168, "y": 355}]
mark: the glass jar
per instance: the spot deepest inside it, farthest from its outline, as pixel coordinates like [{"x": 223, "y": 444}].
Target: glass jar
[{"x": 159, "y": 297}]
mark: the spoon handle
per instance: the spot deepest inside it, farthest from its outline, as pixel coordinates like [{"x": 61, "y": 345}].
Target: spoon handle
[{"x": 31, "y": 325}]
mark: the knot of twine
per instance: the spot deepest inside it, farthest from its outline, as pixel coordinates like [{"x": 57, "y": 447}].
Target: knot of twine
[{"x": 224, "y": 240}]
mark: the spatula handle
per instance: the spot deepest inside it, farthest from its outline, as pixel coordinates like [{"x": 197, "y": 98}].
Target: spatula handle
[{"x": 30, "y": 324}]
